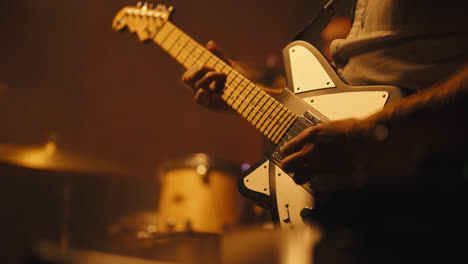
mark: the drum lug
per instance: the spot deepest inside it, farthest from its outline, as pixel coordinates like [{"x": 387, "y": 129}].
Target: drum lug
[{"x": 203, "y": 171}]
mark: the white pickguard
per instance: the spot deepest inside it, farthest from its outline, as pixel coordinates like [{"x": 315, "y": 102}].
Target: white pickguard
[
  {"x": 318, "y": 92},
  {"x": 290, "y": 199},
  {"x": 303, "y": 64},
  {"x": 348, "y": 105},
  {"x": 308, "y": 75},
  {"x": 258, "y": 180}
]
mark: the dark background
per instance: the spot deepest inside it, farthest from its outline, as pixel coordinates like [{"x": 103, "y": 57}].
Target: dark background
[{"x": 66, "y": 75}]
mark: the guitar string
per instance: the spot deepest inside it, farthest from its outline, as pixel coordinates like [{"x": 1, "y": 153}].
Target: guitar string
[
  {"x": 289, "y": 130},
  {"x": 210, "y": 56},
  {"x": 273, "y": 124}
]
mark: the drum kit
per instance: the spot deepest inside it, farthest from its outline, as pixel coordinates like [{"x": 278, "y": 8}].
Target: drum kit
[
  {"x": 197, "y": 201},
  {"x": 197, "y": 198}
]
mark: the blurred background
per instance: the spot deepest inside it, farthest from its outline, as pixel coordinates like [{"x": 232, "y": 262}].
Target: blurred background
[{"x": 114, "y": 110}]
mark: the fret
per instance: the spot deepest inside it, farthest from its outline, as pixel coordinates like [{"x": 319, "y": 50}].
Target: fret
[
  {"x": 290, "y": 123},
  {"x": 231, "y": 85},
  {"x": 279, "y": 120},
  {"x": 287, "y": 126},
  {"x": 212, "y": 61},
  {"x": 204, "y": 58},
  {"x": 186, "y": 41},
  {"x": 255, "y": 101},
  {"x": 176, "y": 45},
  {"x": 195, "y": 57},
  {"x": 248, "y": 101},
  {"x": 267, "y": 121},
  {"x": 229, "y": 70},
  {"x": 265, "y": 114},
  {"x": 168, "y": 40},
  {"x": 244, "y": 100},
  {"x": 189, "y": 53},
  {"x": 220, "y": 66},
  {"x": 235, "y": 88},
  {"x": 240, "y": 87},
  {"x": 273, "y": 118},
  {"x": 259, "y": 111},
  {"x": 158, "y": 30},
  {"x": 163, "y": 33},
  {"x": 284, "y": 126},
  {"x": 231, "y": 75},
  {"x": 241, "y": 95},
  {"x": 250, "y": 105},
  {"x": 217, "y": 61},
  {"x": 283, "y": 119}
]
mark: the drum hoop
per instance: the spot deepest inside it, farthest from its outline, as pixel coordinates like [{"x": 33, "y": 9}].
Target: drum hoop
[{"x": 193, "y": 161}]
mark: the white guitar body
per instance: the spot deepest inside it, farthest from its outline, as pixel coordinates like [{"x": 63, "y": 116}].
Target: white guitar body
[
  {"x": 319, "y": 91},
  {"x": 316, "y": 94}
]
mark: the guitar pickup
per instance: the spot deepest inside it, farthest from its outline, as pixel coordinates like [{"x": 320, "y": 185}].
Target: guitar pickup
[{"x": 306, "y": 120}]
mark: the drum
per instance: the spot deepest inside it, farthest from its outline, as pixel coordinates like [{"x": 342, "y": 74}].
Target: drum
[{"x": 198, "y": 194}]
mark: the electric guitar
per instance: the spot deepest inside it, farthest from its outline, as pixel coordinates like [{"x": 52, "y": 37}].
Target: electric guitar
[{"x": 315, "y": 94}]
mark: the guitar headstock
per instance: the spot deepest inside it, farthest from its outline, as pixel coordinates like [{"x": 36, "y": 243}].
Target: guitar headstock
[{"x": 143, "y": 19}]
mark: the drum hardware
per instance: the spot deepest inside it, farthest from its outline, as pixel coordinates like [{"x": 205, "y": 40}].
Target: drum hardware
[
  {"x": 49, "y": 162},
  {"x": 49, "y": 157},
  {"x": 198, "y": 195},
  {"x": 203, "y": 170}
]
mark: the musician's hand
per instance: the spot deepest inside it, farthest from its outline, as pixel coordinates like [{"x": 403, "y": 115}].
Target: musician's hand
[
  {"x": 206, "y": 82},
  {"x": 350, "y": 148}
]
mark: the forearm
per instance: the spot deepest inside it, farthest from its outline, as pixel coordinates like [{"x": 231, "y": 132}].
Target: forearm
[{"x": 433, "y": 118}]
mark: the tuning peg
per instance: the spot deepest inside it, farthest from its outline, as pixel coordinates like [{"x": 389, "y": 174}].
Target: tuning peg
[
  {"x": 131, "y": 12},
  {"x": 143, "y": 8}
]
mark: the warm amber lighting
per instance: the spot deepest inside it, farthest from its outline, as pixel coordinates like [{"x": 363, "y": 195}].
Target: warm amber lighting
[
  {"x": 38, "y": 157},
  {"x": 3, "y": 87},
  {"x": 50, "y": 147}
]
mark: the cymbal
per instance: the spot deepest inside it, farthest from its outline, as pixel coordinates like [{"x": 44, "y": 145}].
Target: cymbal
[{"x": 49, "y": 158}]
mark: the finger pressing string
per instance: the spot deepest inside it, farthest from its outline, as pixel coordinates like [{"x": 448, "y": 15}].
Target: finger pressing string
[
  {"x": 217, "y": 78},
  {"x": 191, "y": 76},
  {"x": 295, "y": 144},
  {"x": 214, "y": 48},
  {"x": 298, "y": 159}
]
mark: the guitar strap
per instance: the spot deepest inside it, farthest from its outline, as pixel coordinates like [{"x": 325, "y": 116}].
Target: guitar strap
[{"x": 317, "y": 24}]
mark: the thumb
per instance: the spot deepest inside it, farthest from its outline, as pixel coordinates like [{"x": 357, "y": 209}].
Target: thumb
[{"x": 216, "y": 50}]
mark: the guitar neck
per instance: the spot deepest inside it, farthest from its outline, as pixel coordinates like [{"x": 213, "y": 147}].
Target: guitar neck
[{"x": 264, "y": 112}]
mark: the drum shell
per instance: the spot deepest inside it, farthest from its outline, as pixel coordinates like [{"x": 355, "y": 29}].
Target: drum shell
[{"x": 198, "y": 194}]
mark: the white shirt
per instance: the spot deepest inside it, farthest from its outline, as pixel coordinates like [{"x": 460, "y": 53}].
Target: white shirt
[{"x": 408, "y": 43}]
